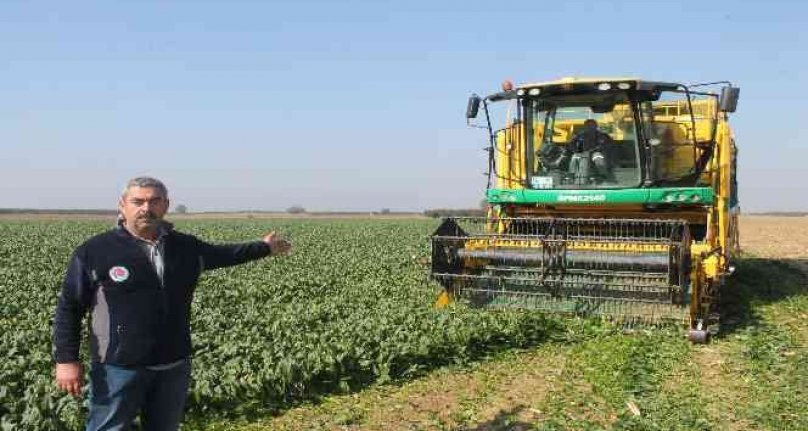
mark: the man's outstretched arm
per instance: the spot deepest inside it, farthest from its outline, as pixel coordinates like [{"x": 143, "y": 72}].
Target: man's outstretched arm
[{"x": 223, "y": 255}]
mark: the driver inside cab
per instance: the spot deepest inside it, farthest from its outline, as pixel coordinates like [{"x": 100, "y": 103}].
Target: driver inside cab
[{"x": 584, "y": 156}]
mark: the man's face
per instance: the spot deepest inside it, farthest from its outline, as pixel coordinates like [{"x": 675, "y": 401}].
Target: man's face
[{"x": 143, "y": 207}]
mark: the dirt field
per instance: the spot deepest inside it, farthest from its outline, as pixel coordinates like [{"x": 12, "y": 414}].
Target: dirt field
[{"x": 785, "y": 237}]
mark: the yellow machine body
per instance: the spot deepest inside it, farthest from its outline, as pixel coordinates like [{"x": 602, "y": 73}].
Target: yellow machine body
[{"x": 571, "y": 241}]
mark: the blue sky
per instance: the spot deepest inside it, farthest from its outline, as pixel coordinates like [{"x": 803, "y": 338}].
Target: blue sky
[{"x": 355, "y": 105}]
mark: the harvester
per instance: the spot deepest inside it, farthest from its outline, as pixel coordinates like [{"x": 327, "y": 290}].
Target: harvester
[{"x": 613, "y": 197}]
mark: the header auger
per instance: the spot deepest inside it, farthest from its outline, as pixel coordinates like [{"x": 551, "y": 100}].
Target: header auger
[{"x": 607, "y": 196}]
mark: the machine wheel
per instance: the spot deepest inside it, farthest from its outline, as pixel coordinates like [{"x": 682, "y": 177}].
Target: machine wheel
[{"x": 698, "y": 336}]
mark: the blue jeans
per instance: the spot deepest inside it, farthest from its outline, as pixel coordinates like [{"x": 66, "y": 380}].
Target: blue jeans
[{"x": 118, "y": 394}]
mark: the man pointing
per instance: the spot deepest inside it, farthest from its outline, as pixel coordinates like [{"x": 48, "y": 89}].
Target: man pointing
[{"x": 137, "y": 281}]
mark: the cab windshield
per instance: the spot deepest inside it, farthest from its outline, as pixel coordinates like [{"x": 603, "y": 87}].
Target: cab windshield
[
  {"x": 601, "y": 140},
  {"x": 583, "y": 144}
]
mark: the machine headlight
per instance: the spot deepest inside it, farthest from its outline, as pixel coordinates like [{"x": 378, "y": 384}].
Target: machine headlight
[
  {"x": 624, "y": 85},
  {"x": 520, "y": 92},
  {"x": 603, "y": 86},
  {"x": 534, "y": 91}
]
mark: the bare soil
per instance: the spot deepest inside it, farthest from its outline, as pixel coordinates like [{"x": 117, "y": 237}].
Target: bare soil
[{"x": 775, "y": 237}]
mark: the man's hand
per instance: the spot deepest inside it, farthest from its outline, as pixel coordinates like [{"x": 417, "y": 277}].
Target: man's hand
[
  {"x": 70, "y": 378},
  {"x": 277, "y": 244}
]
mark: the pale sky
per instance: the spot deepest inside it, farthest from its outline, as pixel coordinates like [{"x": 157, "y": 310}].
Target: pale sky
[{"x": 355, "y": 105}]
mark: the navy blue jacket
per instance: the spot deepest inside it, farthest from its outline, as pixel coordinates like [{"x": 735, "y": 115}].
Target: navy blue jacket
[{"x": 134, "y": 319}]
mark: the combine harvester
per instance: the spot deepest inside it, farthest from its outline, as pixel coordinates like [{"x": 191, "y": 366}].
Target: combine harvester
[{"x": 607, "y": 197}]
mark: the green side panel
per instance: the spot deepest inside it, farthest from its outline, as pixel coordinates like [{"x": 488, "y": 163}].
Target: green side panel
[
  {"x": 668, "y": 195},
  {"x": 691, "y": 195}
]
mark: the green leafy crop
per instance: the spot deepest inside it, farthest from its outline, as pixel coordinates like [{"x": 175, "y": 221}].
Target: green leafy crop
[{"x": 352, "y": 305}]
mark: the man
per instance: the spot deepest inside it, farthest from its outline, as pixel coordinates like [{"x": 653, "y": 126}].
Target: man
[
  {"x": 587, "y": 148},
  {"x": 137, "y": 282},
  {"x": 591, "y": 145}
]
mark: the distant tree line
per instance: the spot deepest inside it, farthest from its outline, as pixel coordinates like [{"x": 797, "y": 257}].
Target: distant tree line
[
  {"x": 447, "y": 212},
  {"x": 296, "y": 209},
  {"x": 56, "y": 211},
  {"x": 783, "y": 213},
  {"x": 480, "y": 211}
]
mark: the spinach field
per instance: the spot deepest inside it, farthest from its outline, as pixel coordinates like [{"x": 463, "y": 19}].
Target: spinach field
[{"x": 352, "y": 305}]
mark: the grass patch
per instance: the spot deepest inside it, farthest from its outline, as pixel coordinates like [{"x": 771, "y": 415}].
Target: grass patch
[
  {"x": 776, "y": 370},
  {"x": 767, "y": 342},
  {"x": 613, "y": 370}
]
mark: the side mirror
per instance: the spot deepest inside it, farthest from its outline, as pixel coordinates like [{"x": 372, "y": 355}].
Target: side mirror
[
  {"x": 729, "y": 99},
  {"x": 473, "y": 106}
]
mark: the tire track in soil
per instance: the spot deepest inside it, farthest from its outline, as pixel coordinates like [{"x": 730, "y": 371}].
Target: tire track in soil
[
  {"x": 476, "y": 399},
  {"x": 724, "y": 391}
]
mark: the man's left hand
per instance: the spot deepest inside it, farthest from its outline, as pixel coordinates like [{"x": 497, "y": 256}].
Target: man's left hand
[{"x": 278, "y": 244}]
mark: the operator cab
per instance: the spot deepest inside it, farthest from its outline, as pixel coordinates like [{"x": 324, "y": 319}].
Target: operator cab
[{"x": 609, "y": 133}]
